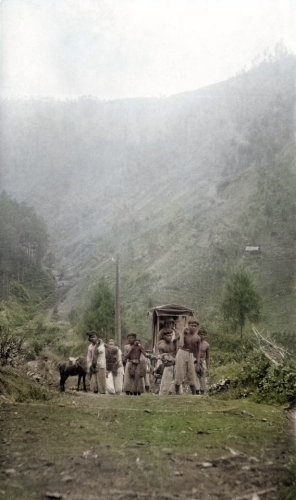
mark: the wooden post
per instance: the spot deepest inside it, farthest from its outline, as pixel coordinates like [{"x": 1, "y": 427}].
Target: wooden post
[
  {"x": 153, "y": 335},
  {"x": 157, "y": 335},
  {"x": 117, "y": 305}
]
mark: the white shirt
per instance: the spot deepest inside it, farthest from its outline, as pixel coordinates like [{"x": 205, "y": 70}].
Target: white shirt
[
  {"x": 101, "y": 362},
  {"x": 120, "y": 367}
]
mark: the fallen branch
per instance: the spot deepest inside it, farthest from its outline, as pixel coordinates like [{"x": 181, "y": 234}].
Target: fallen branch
[{"x": 271, "y": 350}]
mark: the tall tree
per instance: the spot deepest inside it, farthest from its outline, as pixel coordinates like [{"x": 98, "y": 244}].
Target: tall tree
[
  {"x": 241, "y": 301},
  {"x": 100, "y": 313}
]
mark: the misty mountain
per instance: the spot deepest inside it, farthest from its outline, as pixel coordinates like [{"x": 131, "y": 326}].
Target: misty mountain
[{"x": 178, "y": 186}]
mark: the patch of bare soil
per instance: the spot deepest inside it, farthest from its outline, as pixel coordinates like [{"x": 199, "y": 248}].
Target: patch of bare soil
[{"x": 96, "y": 448}]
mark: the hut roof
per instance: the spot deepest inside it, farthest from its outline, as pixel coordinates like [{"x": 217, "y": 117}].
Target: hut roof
[
  {"x": 172, "y": 310},
  {"x": 250, "y": 248}
]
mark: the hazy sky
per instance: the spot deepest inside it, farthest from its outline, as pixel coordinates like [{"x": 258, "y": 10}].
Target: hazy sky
[{"x": 128, "y": 48}]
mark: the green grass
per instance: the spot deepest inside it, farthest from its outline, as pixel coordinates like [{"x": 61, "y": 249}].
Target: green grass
[
  {"x": 149, "y": 442},
  {"x": 18, "y": 387}
]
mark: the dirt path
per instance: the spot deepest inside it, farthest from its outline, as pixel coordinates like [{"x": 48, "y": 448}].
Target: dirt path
[{"x": 92, "y": 447}]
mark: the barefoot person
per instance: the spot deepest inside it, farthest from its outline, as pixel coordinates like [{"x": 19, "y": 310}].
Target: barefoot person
[
  {"x": 167, "y": 350},
  {"x": 147, "y": 381},
  {"x": 96, "y": 363},
  {"x": 127, "y": 382},
  {"x": 90, "y": 361},
  {"x": 188, "y": 347},
  {"x": 203, "y": 369},
  {"x": 137, "y": 368},
  {"x": 114, "y": 367}
]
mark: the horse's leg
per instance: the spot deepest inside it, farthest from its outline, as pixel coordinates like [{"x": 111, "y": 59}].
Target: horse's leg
[
  {"x": 83, "y": 380},
  {"x": 79, "y": 379},
  {"x": 62, "y": 382}
]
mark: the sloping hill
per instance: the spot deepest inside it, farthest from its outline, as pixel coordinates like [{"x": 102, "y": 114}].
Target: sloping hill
[{"x": 178, "y": 186}]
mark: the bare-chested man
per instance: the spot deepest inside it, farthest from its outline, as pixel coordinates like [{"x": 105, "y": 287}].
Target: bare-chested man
[
  {"x": 188, "y": 353},
  {"x": 169, "y": 326},
  {"x": 203, "y": 369}
]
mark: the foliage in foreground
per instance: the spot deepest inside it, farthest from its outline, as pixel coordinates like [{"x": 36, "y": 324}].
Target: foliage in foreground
[
  {"x": 266, "y": 381},
  {"x": 11, "y": 348},
  {"x": 250, "y": 372}
]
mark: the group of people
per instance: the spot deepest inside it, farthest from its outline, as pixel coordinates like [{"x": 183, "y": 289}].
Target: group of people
[{"x": 183, "y": 358}]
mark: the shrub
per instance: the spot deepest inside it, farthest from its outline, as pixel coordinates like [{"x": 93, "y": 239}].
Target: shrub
[
  {"x": 271, "y": 383},
  {"x": 279, "y": 384},
  {"x": 253, "y": 370},
  {"x": 11, "y": 348},
  {"x": 286, "y": 339}
]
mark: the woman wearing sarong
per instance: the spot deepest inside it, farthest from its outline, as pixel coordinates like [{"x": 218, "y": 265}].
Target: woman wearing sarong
[{"x": 135, "y": 368}]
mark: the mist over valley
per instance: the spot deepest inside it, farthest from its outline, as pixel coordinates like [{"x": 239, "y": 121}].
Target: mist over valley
[{"x": 178, "y": 186}]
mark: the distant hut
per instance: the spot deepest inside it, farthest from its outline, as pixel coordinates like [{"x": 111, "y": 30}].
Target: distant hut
[{"x": 252, "y": 250}]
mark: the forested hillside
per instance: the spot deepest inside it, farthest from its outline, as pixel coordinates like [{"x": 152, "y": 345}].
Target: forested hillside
[
  {"x": 23, "y": 245},
  {"x": 27, "y": 285},
  {"x": 178, "y": 186}
]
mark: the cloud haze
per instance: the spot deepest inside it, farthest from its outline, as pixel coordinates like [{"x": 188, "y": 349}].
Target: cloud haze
[{"x": 129, "y": 48}]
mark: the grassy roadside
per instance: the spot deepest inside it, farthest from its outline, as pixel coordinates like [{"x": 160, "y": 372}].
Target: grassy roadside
[{"x": 85, "y": 446}]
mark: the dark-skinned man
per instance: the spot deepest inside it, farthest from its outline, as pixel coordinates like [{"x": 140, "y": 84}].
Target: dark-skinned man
[
  {"x": 188, "y": 354},
  {"x": 203, "y": 369},
  {"x": 134, "y": 357}
]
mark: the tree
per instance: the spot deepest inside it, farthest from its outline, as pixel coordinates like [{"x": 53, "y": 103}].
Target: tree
[
  {"x": 100, "y": 313},
  {"x": 241, "y": 301}
]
